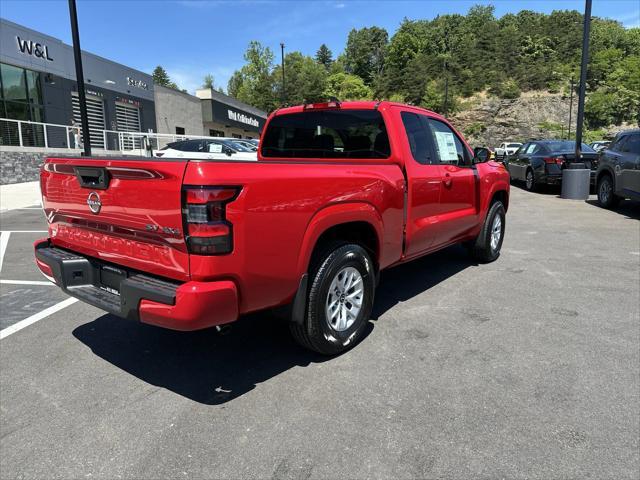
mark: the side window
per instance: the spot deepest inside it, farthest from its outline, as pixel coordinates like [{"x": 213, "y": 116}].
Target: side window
[
  {"x": 214, "y": 147},
  {"x": 449, "y": 148},
  {"x": 531, "y": 149},
  {"x": 618, "y": 143},
  {"x": 632, "y": 145},
  {"x": 418, "y": 136},
  {"x": 191, "y": 146}
]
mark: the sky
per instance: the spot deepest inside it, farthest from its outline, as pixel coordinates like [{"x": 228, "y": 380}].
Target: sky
[{"x": 193, "y": 38}]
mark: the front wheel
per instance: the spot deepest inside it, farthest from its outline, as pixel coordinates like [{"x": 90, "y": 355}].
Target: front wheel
[
  {"x": 340, "y": 300},
  {"x": 487, "y": 245},
  {"x": 606, "y": 196}
]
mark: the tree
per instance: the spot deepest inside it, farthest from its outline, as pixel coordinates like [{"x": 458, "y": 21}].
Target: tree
[
  {"x": 324, "y": 56},
  {"x": 365, "y": 52},
  {"x": 305, "y": 79},
  {"x": 347, "y": 87},
  {"x": 161, "y": 77},
  {"x": 208, "y": 81},
  {"x": 254, "y": 83}
]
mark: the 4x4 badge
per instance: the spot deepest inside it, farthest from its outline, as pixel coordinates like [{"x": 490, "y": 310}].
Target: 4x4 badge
[{"x": 93, "y": 200}]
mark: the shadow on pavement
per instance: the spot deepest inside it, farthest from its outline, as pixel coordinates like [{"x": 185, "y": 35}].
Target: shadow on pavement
[
  {"x": 405, "y": 281},
  {"x": 204, "y": 366},
  {"x": 628, "y": 208},
  {"x": 212, "y": 369}
]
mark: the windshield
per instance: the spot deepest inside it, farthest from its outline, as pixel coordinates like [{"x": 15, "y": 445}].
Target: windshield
[
  {"x": 513, "y": 145},
  {"x": 327, "y": 134},
  {"x": 567, "y": 146}
]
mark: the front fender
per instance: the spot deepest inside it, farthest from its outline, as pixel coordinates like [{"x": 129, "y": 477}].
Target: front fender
[
  {"x": 331, "y": 216},
  {"x": 493, "y": 178}
]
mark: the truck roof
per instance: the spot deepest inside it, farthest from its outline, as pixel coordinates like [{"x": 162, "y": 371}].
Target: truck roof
[{"x": 354, "y": 105}]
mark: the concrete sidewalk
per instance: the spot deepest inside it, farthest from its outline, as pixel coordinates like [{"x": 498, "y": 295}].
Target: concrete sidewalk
[{"x": 20, "y": 195}]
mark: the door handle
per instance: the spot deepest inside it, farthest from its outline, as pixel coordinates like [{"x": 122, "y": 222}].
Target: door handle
[{"x": 446, "y": 180}]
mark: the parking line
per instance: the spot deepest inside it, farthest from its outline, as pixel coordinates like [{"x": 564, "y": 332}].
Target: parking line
[
  {"x": 23, "y": 231},
  {"x": 16, "y": 327},
  {"x": 25, "y": 282},
  {"x": 4, "y": 241}
]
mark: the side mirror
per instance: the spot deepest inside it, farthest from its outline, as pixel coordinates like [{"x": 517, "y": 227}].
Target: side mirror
[{"x": 481, "y": 155}]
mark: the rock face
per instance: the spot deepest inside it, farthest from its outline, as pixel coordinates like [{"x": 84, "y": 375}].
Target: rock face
[{"x": 490, "y": 121}]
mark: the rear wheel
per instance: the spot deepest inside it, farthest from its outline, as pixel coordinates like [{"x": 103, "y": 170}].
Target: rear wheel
[
  {"x": 339, "y": 302},
  {"x": 606, "y": 196},
  {"x": 530, "y": 181},
  {"x": 488, "y": 244}
]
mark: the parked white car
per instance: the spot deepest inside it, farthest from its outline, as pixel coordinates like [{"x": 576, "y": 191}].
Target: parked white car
[
  {"x": 209, "y": 149},
  {"x": 507, "y": 148}
]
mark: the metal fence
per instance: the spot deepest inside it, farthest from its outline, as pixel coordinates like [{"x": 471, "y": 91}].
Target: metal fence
[{"x": 23, "y": 133}]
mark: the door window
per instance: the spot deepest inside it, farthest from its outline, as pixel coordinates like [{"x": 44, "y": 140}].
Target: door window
[
  {"x": 418, "y": 137},
  {"x": 449, "y": 148},
  {"x": 531, "y": 149},
  {"x": 632, "y": 145},
  {"x": 618, "y": 143},
  {"x": 191, "y": 146}
]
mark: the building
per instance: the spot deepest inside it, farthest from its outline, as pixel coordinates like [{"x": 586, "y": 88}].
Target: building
[
  {"x": 37, "y": 83},
  {"x": 224, "y": 116},
  {"x": 177, "y": 112}
]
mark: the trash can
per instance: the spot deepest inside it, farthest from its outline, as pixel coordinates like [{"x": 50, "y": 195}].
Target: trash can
[{"x": 576, "y": 180}]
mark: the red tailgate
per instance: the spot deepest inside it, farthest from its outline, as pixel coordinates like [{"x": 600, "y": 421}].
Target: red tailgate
[{"x": 120, "y": 211}]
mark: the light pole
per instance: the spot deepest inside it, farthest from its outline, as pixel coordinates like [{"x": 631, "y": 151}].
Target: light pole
[
  {"x": 284, "y": 89},
  {"x": 583, "y": 77},
  {"x": 570, "y": 107},
  {"x": 446, "y": 90},
  {"x": 73, "y": 14}
]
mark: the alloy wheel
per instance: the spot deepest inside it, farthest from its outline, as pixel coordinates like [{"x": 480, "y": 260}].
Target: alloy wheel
[{"x": 344, "y": 299}]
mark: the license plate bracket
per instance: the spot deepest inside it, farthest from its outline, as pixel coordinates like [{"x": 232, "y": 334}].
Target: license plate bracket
[{"x": 111, "y": 278}]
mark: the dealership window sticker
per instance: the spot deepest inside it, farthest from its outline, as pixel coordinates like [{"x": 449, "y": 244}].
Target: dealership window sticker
[{"x": 447, "y": 147}]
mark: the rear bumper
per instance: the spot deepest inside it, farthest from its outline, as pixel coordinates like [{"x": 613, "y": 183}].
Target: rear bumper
[{"x": 136, "y": 296}]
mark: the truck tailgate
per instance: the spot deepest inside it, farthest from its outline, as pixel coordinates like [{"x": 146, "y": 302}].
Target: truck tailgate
[{"x": 126, "y": 212}]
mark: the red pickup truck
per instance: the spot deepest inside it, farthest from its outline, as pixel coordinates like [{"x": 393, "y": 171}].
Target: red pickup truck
[{"x": 340, "y": 192}]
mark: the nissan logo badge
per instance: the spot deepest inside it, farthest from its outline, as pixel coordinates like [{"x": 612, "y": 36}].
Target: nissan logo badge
[{"x": 93, "y": 200}]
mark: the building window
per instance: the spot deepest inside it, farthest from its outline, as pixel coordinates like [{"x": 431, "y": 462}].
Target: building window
[
  {"x": 216, "y": 133},
  {"x": 235, "y": 135},
  {"x": 179, "y": 130},
  {"x": 20, "y": 94}
]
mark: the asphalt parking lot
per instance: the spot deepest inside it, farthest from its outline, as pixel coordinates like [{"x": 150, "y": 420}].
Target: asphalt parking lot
[{"x": 525, "y": 368}]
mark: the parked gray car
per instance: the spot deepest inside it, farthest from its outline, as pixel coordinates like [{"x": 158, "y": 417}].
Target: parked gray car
[{"x": 618, "y": 174}]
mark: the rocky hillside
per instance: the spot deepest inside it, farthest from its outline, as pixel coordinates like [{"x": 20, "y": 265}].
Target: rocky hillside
[{"x": 490, "y": 121}]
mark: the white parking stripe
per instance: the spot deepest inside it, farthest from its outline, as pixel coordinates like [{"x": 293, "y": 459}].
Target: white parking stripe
[
  {"x": 4, "y": 241},
  {"x": 16, "y": 327},
  {"x": 23, "y": 231},
  {"x": 25, "y": 282}
]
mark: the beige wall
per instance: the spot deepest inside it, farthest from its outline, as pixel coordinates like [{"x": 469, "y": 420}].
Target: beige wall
[{"x": 177, "y": 109}]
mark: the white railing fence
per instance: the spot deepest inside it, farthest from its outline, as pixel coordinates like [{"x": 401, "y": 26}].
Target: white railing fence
[{"x": 23, "y": 133}]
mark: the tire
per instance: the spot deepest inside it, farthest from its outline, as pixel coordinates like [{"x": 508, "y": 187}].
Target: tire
[
  {"x": 331, "y": 335},
  {"x": 486, "y": 247},
  {"x": 605, "y": 191},
  {"x": 530, "y": 181}
]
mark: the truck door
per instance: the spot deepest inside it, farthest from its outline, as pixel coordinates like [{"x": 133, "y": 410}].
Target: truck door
[
  {"x": 423, "y": 182},
  {"x": 459, "y": 186}
]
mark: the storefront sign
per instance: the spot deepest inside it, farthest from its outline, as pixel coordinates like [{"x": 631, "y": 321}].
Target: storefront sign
[
  {"x": 132, "y": 82},
  {"x": 242, "y": 118},
  {"x": 29, "y": 47}
]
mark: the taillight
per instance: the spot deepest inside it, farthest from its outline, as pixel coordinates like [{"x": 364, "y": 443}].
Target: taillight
[
  {"x": 208, "y": 231},
  {"x": 552, "y": 160}
]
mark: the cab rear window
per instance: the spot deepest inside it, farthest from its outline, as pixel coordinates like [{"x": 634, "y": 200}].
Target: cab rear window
[{"x": 327, "y": 134}]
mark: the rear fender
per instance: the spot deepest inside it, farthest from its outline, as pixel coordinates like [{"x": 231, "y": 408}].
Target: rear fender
[{"x": 332, "y": 216}]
